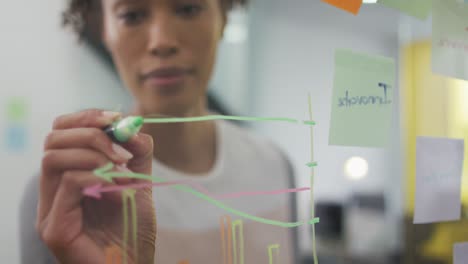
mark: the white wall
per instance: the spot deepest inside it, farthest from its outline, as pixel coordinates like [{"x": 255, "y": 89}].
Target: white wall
[
  {"x": 45, "y": 65},
  {"x": 292, "y": 54},
  {"x": 230, "y": 78}
]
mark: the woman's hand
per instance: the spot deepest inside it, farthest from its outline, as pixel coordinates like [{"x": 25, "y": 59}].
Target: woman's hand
[{"x": 78, "y": 229}]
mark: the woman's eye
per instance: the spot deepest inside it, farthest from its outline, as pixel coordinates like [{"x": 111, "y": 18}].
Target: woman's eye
[
  {"x": 132, "y": 17},
  {"x": 189, "y": 10}
]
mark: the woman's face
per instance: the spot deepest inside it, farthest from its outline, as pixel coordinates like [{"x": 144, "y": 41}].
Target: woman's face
[{"x": 164, "y": 50}]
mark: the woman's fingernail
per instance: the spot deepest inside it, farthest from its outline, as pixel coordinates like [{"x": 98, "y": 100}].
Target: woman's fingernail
[
  {"x": 119, "y": 150},
  {"x": 111, "y": 115},
  {"x": 122, "y": 168}
]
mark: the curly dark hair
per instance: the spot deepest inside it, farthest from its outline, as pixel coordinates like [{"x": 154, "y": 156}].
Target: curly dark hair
[{"x": 84, "y": 15}]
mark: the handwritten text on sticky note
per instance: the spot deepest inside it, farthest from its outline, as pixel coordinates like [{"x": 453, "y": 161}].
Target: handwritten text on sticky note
[
  {"x": 362, "y": 99},
  {"x": 450, "y": 39},
  {"x": 439, "y": 164}
]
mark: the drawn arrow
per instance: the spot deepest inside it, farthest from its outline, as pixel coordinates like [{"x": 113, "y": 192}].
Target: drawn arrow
[
  {"x": 96, "y": 191},
  {"x": 101, "y": 172}
]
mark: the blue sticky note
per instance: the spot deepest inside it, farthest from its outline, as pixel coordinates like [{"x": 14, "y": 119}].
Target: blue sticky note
[{"x": 16, "y": 137}]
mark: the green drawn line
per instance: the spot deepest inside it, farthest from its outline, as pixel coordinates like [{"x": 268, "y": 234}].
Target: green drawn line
[
  {"x": 312, "y": 164},
  {"x": 129, "y": 195},
  {"x": 101, "y": 172},
  {"x": 312, "y": 177},
  {"x": 270, "y": 252},
  {"x": 104, "y": 169},
  {"x": 225, "y": 117},
  {"x": 125, "y": 226},
  {"x": 241, "y": 241}
]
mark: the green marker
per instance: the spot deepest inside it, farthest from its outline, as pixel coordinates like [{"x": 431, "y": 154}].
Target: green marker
[{"x": 122, "y": 130}]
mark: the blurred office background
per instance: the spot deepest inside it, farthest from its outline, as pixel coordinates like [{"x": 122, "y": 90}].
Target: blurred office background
[{"x": 273, "y": 55}]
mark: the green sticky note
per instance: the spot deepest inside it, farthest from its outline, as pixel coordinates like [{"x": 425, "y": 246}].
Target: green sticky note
[
  {"x": 362, "y": 100},
  {"x": 17, "y": 109},
  {"x": 417, "y": 8},
  {"x": 450, "y": 38}
]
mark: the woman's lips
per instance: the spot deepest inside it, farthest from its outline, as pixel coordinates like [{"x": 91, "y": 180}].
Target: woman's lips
[
  {"x": 169, "y": 80},
  {"x": 165, "y": 77}
]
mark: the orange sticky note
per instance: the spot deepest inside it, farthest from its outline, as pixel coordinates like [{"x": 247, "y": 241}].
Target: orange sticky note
[
  {"x": 184, "y": 262},
  {"x": 351, "y": 6}
]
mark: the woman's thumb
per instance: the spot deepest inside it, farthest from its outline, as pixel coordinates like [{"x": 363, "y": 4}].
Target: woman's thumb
[{"x": 141, "y": 146}]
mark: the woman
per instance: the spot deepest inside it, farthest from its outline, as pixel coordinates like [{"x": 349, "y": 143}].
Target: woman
[{"x": 164, "y": 51}]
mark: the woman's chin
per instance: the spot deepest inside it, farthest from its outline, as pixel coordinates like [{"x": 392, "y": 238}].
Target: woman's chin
[
  {"x": 167, "y": 108},
  {"x": 182, "y": 104}
]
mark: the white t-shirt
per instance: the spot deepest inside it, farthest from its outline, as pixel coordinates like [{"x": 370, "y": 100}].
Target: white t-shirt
[{"x": 189, "y": 227}]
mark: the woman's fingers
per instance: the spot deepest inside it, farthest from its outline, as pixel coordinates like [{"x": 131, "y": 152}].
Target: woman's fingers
[
  {"x": 87, "y": 138},
  {"x": 54, "y": 163},
  {"x": 77, "y": 146},
  {"x": 141, "y": 146},
  {"x": 58, "y": 160},
  {"x": 87, "y": 118}
]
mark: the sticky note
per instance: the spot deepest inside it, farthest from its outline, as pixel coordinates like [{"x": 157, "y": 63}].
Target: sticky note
[
  {"x": 351, "y": 6},
  {"x": 439, "y": 164},
  {"x": 450, "y": 39},
  {"x": 16, "y": 109},
  {"x": 15, "y": 137},
  {"x": 362, "y": 99},
  {"x": 416, "y": 8},
  {"x": 460, "y": 253}
]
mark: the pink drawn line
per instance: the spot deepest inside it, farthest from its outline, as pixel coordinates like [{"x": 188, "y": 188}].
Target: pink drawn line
[{"x": 97, "y": 190}]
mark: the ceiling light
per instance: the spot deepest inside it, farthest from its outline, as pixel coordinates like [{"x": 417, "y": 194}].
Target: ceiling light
[{"x": 356, "y": 168}]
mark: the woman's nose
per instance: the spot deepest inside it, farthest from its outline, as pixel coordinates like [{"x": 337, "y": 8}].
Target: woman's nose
[{"x": 163, "y": 41}]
